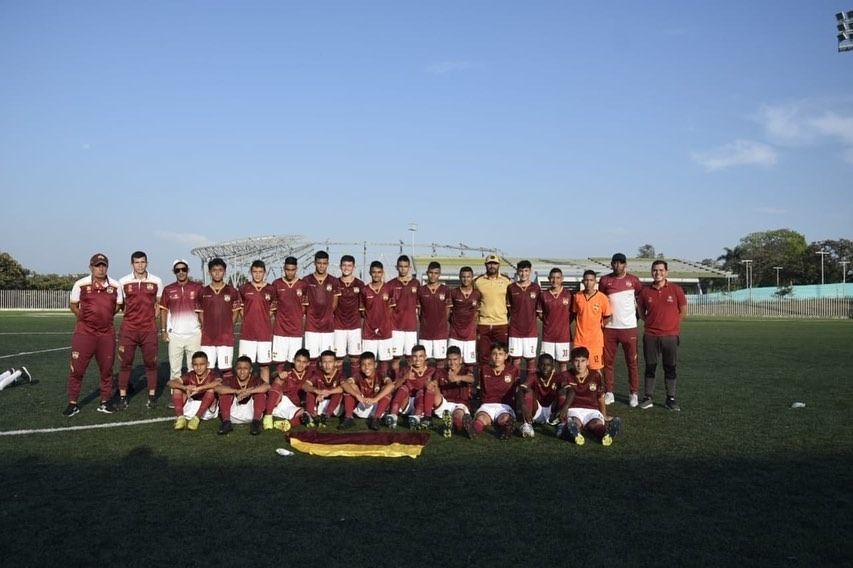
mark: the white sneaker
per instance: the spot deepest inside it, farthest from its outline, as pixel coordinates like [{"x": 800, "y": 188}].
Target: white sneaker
[
  {"x": 633, "y": 402},
  {"x": 527, "y": 430},
  {"x": 609, "y": 398}
]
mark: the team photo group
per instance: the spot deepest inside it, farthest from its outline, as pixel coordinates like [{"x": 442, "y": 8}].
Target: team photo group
[{"x": 460, "y": 359}]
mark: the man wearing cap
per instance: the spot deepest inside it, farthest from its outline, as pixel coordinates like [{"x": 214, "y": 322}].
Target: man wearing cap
[
  {"x": 181, "y": 328},
  {"x": 94, "y": 301},
  {"x": 142, "y": 292},
  {"x": 492, "y": 319},
  {"x": 621, "y": 289}
]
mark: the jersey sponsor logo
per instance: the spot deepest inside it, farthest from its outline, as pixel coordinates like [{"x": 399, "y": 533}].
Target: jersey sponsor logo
[
  {"x": 629, "y": 284},
  {"x": 596, "y": 308},
  {"x": 88, "y": 289},
  {"x": 128, "y": 288},
  {"x": 192, "y": 295},
  {"x": 474, "y": 303}
]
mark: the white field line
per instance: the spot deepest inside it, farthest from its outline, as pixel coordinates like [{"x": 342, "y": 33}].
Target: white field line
[
  {"x": 89, "y": 427},
  {"x": 22, "y": 353}
]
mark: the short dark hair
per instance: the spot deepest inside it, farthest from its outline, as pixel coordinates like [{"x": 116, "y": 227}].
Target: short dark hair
[
  {"x": 376, "y": 264},
  {"x": 433, "y": 265},
  {"x": 328, "y": 353},
  {"x": 403, "y": 258},
  {"x": 454, "y": 350},
  {"x": 499, "y": 345},
  {"x": 665, "y": 265},
  {"x": 367, "y": 356},
  {"x": 291, "y": 261},
  {"x": 138, "y": 254},
  {"x": 579, "y": 352},
  {"x": 302, "y": 352},
  {"x": 546, "y": 357},
  {"x": 347, "y": 258},
  {"x": 243, "y": 359},
  {"x": 321, "y": 254},
  {"x": 523, "y": 264},
  {"x": 418, "y": 347},
  {"x": 466, "y": 269},
  {"x": 258, "y": 264},
  {"x": 554, "y": 271},
  {"x": 216, "y": 262},
  {"x": 588, "y": 272},
  {"x": 199, "y": 355}
]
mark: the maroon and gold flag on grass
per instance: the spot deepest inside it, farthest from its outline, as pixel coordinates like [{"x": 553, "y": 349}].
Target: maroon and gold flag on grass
[{"x": 358, "y": 444}]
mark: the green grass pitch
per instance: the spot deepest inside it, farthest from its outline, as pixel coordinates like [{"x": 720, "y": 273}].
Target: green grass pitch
[{"x": 738, "y": 477}]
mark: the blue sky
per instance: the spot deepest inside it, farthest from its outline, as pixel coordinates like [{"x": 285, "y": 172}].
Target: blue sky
[{"x": 564, "y": 128}]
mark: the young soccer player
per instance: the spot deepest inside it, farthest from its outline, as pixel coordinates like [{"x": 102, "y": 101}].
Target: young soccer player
[
  {"x": 522, "y": 299},
  {"x": 289, "y": 315},
  {"x": 584, "y": 409},
  {"x": 348, "y": 314},
  {"x": 366, "y": 393},
  {"x": 555, "y": 310},
  {"x": 434, "y": 305},
  {"x": 242, "y": 398},
  {"x": 193, "y": 395},
  {"x": 219, "y": 309},
  {"x": 413, "y": 386},
  {"x": 258, "y": 299},
  {"x": 323, "y": 392},
  {"x": 465, "y": 301},
  {"x": 541, "y": 395},
  {"x": 592, "y": 313},
  {"x": 377, "y": 307},
  {"x": 405, "y": 320},
  {"x": 283, "y": 399},
  {"x": 498, "y": 383},
  {"x": 454, "y": 396},
  {"x": 320, "y": 300}
]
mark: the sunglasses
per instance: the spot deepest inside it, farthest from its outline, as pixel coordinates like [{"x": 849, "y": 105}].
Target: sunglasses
[{"x": 181, "y": 269}]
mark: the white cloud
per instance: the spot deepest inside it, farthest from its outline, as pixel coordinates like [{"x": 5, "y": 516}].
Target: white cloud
[
  {"x": 187, "y": 239},
  {"x": 766, "y": 210},
  {"x": 445, "y": 67},
  {"x": 737, "y": 153},
  {"x": 809, "y": 122}
]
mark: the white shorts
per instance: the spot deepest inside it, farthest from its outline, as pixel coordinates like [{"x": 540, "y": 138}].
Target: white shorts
[
  {"x": 242, "y": 413},
  {"x": 523, "y": 347},
  {"x": 365, "y": 410},
  {"x": 402, "y": 342},
  {"x": 219, "y": 356},
  {"x": 585, "y": 415},
  {"x": 559, "y": 351},
  {"x": 191, "y": 406},
  {"x": 316, "y": 342},
  {"x": 285, "y": 348},
  {"x": 257, "y": 351},
  {"x": 286, "y": 409},
  {"x": 381, "y": 348},
  {"x": 495, "y": 409},
  {"x": 468, "y": 349},
  {"x": 347, "y": 342},
  {"x": 324, "y": 404},
  {"x": 451, "y": 407},
  {"x": 542, "y": 414},
  {"x": 435, "y": 348}
]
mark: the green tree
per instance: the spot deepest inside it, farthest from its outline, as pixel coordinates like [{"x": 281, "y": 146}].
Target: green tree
[
  {"x": 841, "y": 249},
  {"x": 766, "y": 249},
  {"x": 646, "y": 251},
  {"x": 13, "y": 276}
]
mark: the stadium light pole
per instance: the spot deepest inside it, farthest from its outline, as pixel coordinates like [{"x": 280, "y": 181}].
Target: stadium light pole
[
  {"x": 413, "y": 227},
  {"x": 822, "y": 254},
  {"x": 844, "y": 25},
  {"x": 748, "y": 264},
  {"x": 777, "y": 269},
  {"x": 844, "y": 264}
]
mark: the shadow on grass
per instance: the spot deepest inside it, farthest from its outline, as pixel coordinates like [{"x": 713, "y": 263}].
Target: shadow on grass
[{"x": 148, "y": 509}]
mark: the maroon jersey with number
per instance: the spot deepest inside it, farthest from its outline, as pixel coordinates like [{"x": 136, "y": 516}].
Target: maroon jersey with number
[
  {"x": 463, "y": 316},
  {"x": 556, "y": 310},
  {"x": 141, "y": 296},
  {"x": 319, "y": 301},
  {"x": 292, "y": 383},
  {"x": 321, "y": 381},
  {"x": 454, "y": 392},
  {"x": 417, "y": 380},
  {"x": 545, "y": 388},
  {"x": 257, "y": 307},
  {"x": 587, "y": 390},
  {"x": 289, "y": 309},
  {"x": 367, "y": 386},
  {"x": 522, "y": 304},
  {"x": 405, "y": 304},
  {"x": 183, "y": 303},
  {"x": 217, "y": 308},
  {"x": 498, "y": 387},
  {"x": 433, "y": 306},
  {"x": 378, "y": 307},
  {"x": 97, "y": 305},
  {"x": 348, "y": 312}
]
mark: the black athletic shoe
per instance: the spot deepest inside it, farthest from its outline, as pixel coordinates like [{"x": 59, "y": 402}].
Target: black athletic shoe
[
  {"x": 122, "y": 403},
  {"x": 255, "y": 428},
  {"x": 71, "y": 410},
  {"x": 346, "y": 424},
  {"x": 305, "y": 419},
  {"x": 152, "y": 401},
  {"x": 373, "y": 423},
  {"x": 225, "y": 428},
  {"x": 106, "y": 407},
  {"x": 25, "y": 377},
  {"x": 671, "y": 404},
  {"x": 322, "y": 421},
  {"x": 646, "y": 403},
  {"x": 614, "y": 427}
]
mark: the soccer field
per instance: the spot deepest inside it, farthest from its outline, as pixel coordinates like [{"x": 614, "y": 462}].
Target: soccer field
[{"x": 737, "y": 477}]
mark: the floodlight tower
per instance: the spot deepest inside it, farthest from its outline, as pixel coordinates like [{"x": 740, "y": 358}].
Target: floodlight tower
[
  {"x": 413, "y": 227},
  {"x": 748, "y": 264},
  {"x": 822, "y": 254},
  {"x": 777, "y": 269},
  {"x": 844, "y": 25}
]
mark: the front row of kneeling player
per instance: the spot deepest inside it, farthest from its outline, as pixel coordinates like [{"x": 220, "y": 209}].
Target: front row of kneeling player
[{"x": 572, "y": 401}]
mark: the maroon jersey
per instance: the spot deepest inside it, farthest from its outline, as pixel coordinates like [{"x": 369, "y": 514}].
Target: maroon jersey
[
  {"x": 405, "y": 304},
  {"x": 289, "y": 310},
  {"x": 367, "y": 386},
  {"x": 292, "y": 384},
  {"x": 522, "y": 303},
  {"x": 378, "y": 307},
  {"x": 321, "y": 381},
  {"x": 556, "y": 310},
  {"x": 586, "y": 390},
  {"x": 454, "y": 392},
  {"x": 545, "y": 388},
  {"x": 433, "y": 306},
  {"x": 498, "y": 387},
  {"x": 348, "y": 312},
  {"x": 415, "y": 380},
  {"x": 97, "y": 305},
  {"x": 257, "y": 307},
  {"x": 661, "y": 309},
  {"x": 217, "y": 308},
  {"x": 190, "y": 379},
  {"x": 463, "y": 316},
  {"x": 183, "y": 303},
  {"x": 141, "y": 297},
  {"x": 319, "y": 300},
  {"x": 232, "y": 382}
]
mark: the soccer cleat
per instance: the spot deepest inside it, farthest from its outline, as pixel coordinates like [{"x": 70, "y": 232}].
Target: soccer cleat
[
  {"x": 321, "y": 421},
  {"x": 25, "y": 377},
  {"x": 606, "y": 440},
  {"x": 646, "y": 403},
  {"x": 122, "y": 403},
  {"x": 671, "y": 404},
  {"x": 468, "y": 424},
  {"x": 527, "y": 430},
  {"x": 614, "y": 427},
  {"x": 447, "y": 424},
  {"x": 152, "y": 401},
  {"x": 373, "y": 423},
  {"x": 305, "y": 420},
  {"x": 574, "y": 434},
  {"x": 225, "y": 428},
  {"x": 171, "y": 405},
  {"x": 255, "y": 428},
  {"x": 180, "y": 423},
  {"x": 283, "y": 425},
  {"x": 609, "y": 398},
  {"x": 268, "y": 422},
  {"x": 505, "y": 431},
  {"x": 346, "y": 424},
  {"x": 390, "y": 420},
  {"x": 106, "y": 407},
  {"x": 71, "y": 410},
  {"x": 633, "y": 402},
  {"x": 554, "y": 419},
  {"x": 562, "y": 431},
  {"x": 414, "y": 422},
  {"x": 193, "y": 423}
]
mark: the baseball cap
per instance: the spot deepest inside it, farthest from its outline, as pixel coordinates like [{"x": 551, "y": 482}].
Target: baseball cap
[
  {"x": 180, "y": 261},
  {"x": 99, "y": 258},
  {"x": 492, "y": 258},
  {"x": 618, "y": 257}
]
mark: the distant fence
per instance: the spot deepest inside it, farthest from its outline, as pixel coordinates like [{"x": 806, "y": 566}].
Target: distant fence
[
  {"x": 34, "y": 299},
  {"x": 830, "y": 308}
]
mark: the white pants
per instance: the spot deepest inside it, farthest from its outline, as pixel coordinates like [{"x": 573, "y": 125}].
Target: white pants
[
  {"x": 182, "y": 347},
  {"x": 242, "y": 413}
]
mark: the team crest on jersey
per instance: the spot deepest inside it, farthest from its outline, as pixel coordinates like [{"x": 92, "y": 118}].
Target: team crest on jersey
[
  {"x": 414, "y": 290},
  {"x": 88, "y": 289},
  {"x": 669, "y": 299},
  {"x": 507, "y": 378},
  {"x": 596, "y": 308},
  {"x": 355, "y": 290},
  {"x": 328, "y": 287},
  {"x": 474, "y": 303},
  {"x": 533, "y": 295},
  {"x": 75, "y": 354},
  {"x": 385, "y": 297},
  {"x": 227, "y": 298},
  {"x": 128, "y": 287},
  {"x": 299, "y": 292},
  {"x": 149, "y": 286},
  {"x": 110, "y": 290},
  {"x": 192, "y": 295},
  {"x": 267, "y": 297},
  {"x": 629, "y": 284},
  {"x": 441, "y": 297},
  {"x": 593, "y": 387},
  {"x": 565, "y": 301}
]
